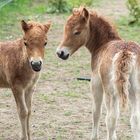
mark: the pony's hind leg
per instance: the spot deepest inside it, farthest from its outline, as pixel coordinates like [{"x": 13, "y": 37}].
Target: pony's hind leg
[
  {"x": 97, "y": 92},
  {"x": 112, "y": 106},
  {"x": 134, "y": 98}
]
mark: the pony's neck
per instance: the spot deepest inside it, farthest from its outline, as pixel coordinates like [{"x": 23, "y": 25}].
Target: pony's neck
[{"x": 100, "y": 33}]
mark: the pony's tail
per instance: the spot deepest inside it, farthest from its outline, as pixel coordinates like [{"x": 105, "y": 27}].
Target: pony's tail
[{"x": 123, "y": 63}]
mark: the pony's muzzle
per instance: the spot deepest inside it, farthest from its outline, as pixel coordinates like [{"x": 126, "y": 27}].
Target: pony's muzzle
[
  {"x": 62, "y": 53},
  {"x": 36, "y": 65}
]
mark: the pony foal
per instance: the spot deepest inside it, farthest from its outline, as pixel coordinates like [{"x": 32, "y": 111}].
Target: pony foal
[
  {"x": 115, "y": 67},
  {"x": 20, "y": 65}
]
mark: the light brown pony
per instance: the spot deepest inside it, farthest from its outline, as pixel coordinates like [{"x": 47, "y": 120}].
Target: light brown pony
[
  {"x": 20, "y": 65},
  {"x": 115, "y": 67}
]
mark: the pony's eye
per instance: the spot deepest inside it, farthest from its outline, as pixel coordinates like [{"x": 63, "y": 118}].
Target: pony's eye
[
  {"x": 25, "y": 43},
  {"x": 77, "y": 33},
  {"x": 45, "y": 43}
]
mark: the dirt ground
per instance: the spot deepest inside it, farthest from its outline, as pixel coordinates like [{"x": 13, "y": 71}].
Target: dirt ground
[{"x": 61, "y": 104}]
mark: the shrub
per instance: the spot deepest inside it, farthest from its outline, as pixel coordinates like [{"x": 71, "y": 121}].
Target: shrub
[
  {"x": 61, "y": 6},
  {"x": 134, "y": 8},
  {"x": 77, "y": 3},
  {"x": 58, "y": 6}
]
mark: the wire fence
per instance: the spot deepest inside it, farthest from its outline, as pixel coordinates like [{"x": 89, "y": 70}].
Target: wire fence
[{"x": 4, "y": 2}]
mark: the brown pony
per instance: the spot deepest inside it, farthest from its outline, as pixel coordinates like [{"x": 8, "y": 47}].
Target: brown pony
[
  {"x": 115, "y": 67},
  {"x": 20, "y": 64}
]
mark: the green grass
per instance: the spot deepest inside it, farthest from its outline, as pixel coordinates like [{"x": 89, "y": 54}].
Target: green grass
[
  {"x": 6, "y": 93},
  {"x": 12, "y": 13},
  {"x": 68, "y": 113},
  {"x": 40, "y": 133},
  {"x": 46, "y": 98},
  {"x": 72, "y": 95},
  {"x": 128, "y": 32},
  {"x": 21, "y": 8}
]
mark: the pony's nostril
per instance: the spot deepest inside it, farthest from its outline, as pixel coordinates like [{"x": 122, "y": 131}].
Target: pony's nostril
[{"x": 62, "y": 53}]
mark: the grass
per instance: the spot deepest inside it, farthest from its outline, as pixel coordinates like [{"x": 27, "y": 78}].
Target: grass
[
  {"x": 7, "y": 94},
  {"x": 12, "y": 13},
  {"x": 46, "y": 98},
  {"x": 15, "y": 10},
  {"x": 128, "y": 32},
  {"x": 68, "y": 113},
  {"x": 72, "y": 95},
  {"x": 22, "y": 8}
]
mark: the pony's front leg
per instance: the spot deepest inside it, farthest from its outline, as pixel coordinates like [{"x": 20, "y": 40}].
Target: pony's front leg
[
  {"x": 22, "y": 110},
  {"x": 28, "y": 100},
  {"x": 97, "y": 92}
]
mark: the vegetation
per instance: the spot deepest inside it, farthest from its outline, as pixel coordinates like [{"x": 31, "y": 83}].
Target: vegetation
[
  {"x": 15, "y": 10},
  {"x": 128, "y": 32},
  {"x": 58, "y": 6},
  {"x": 12, "y": 11},
  {"x": 20, "y": 8},
  {"x": 61, "y": 6},
  {"x": 77, "y": 3},
  {"x": 4, "y": 2},
  {"x": 134, "y": 8}
]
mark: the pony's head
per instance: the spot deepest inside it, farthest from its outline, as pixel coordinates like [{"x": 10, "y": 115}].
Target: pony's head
[
  {"x": 35, "y": 40},
  {"x": 76, "y": 32}
]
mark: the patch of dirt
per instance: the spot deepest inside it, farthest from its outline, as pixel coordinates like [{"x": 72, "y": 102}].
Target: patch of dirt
[{"x": 61, "y": 104}]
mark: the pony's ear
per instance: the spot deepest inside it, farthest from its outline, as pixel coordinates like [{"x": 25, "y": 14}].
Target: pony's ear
[
  {"x": 25, "y": 26},
  {"x": 47, "y": 26},
  {"x": 84, "y": 13}
]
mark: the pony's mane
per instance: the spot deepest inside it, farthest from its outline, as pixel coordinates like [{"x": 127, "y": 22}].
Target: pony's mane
[{"x": 101, "y": 32}]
